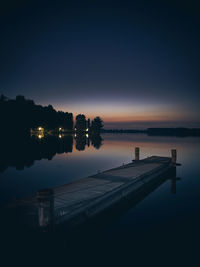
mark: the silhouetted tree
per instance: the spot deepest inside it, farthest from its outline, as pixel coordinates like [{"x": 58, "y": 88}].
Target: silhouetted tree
[
  {"x": 80, "y": 123},
  {"x": 22, "y": 114},
  {"x": 3, "y": 98},
  {"x": 20, "y": 98},
  {"x": 96, "y": 125},
  {"x": 88, "y": 124}
]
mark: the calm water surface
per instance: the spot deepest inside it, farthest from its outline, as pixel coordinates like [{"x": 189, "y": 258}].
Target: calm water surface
[{"x": 161, "y": 229}]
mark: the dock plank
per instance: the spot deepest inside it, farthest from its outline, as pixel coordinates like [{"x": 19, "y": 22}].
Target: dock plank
[{"x": 93, "y": 194}]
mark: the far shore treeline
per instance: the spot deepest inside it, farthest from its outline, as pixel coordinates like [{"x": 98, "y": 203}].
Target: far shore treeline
[
  {"x": 21, "y": 114},
  {"x": 179, "y": 131}
]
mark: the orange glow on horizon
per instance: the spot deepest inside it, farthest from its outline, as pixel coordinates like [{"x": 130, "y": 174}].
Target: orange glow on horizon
[
  {"x": 135, "y": 118},
  {"x": 131, "y": 113}
]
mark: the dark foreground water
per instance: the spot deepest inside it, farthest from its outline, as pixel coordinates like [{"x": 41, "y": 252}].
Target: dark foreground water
[{"x": 160, "y": 229}]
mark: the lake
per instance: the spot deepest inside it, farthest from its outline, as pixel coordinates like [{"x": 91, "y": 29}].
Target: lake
[{"x": 162, "y": 228}]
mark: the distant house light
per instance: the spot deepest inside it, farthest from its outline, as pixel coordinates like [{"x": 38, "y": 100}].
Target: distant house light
[
  {"x": 60, "y": 136},
  {"x": 40, "y": 136},
  {"x": 87, "y": 130},
  {"x": 75, "y": 128},
  {"x": 39, "y": 128},
  {"x": 60, "y": 129},
  {"x": 87, "y": 135}
]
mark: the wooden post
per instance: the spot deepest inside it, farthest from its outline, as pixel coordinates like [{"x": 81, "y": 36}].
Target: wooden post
[
  {"x": 45, "y": 199},
  {"x": 174, "y": 156},
  {"x": 137, "y": 153}
]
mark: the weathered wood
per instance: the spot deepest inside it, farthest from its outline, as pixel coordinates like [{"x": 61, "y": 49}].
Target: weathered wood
[
  {"x": 174, "y": 156},
  {"x": 45, "y": 200},
  {"x": 137, "y": 153},
  {"x": 75, "y": 202}
]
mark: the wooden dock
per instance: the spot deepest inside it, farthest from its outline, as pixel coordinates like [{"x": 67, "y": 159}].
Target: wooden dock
[{"x": 75, "y": 202}]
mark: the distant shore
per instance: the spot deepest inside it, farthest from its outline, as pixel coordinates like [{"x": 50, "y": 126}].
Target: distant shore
[{"x": 182, "y": 132}]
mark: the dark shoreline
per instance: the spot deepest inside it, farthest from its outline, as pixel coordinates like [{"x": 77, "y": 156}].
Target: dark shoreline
[{"x": 179, "y": 132}]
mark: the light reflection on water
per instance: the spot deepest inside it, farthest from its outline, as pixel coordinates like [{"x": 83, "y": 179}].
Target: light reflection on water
[
  {"x": 115, "y": 150},
  {"x": 162, "y": 227}
]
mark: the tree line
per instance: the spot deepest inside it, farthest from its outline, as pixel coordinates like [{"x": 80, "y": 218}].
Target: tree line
[
  {"x": 93, "y": 127},
  {"x": 23, "y": 114}
]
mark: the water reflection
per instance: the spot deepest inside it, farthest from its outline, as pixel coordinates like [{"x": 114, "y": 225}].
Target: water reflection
[
  {"x": 158, "y": 222},
  {"x": 80, "y": 142},
  {"x": 85, "y": 140},
  {"x": 23, "y": 151}
]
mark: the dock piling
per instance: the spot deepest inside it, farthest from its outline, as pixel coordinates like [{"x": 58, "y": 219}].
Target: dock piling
[
  {"x": 137, "y": 153},
  {"x": 174, "y": 155},
  {"x": 45, "y": 200}
]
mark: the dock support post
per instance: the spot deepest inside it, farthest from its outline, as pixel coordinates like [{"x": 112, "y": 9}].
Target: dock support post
[
  {"x": 45, "y": 199},
  {"x": 137, "y": 153},
  {"x": 174, "y": 156}
]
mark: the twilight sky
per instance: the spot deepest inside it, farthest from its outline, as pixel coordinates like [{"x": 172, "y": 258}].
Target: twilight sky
[{"x": 134, "y": 63}]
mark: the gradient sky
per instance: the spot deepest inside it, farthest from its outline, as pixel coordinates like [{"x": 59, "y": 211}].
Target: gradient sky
[{"x": 134, "y": 63}]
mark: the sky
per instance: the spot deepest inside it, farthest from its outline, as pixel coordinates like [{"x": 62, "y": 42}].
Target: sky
[{"x": 134, "y": 63}]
